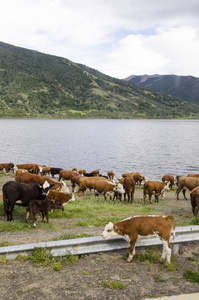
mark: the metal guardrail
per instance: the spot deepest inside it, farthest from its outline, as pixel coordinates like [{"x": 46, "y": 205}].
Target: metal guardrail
[{"x": 98, "y": 244}]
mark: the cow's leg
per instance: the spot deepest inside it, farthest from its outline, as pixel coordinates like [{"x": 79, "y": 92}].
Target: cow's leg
[
  {"x": 184, "y": 191},
  {"x": 156, "y": 198},
  {"x": 27, "y": 216},
  {"x": 7, "y": 209},
  {"x": 150, "y": 195},
  {"x": 43, "y": 214},
  {"x": 131, "y": 250},
  {"x": 47, "y": 217},
  {"x": 178, "y": 192},
  {"x": 34, "y": 219},
  {"x": 125, "y": 197}
]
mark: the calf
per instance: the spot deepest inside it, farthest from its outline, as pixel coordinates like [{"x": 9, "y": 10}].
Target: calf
[
  {"x": 107, "y": 187},
  {"x": 40, "y": 207},
  {"x": 186, "y": 183},
  {"x": 7, "y": 167},
  {"x": 156, "y": 188},
  {"x": 133, "y": 228},
  {"x": 14, "y": 191},
  {"x": 60, "y": 198},
  {"x": 195, "y": 201},
  {"x": 170, "y": 178}
]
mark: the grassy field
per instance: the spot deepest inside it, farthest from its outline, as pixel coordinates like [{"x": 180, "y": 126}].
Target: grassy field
[{"x": 91, "y": 212}]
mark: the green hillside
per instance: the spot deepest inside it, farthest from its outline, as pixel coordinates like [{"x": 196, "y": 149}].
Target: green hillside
[{"x": 36, "y": 85}]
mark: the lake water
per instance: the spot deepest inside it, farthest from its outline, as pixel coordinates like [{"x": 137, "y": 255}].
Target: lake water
[{"x": 152, "y": 147}]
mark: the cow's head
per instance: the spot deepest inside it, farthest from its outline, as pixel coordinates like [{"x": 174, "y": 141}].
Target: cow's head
[
  {"x": 109, "y": 231},
  {"x": 45, "y": 187},
  {"x": 119, "y": 188}
]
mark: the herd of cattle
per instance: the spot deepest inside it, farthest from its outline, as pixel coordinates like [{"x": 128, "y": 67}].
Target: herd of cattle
[{"x": 39, "y": 193}]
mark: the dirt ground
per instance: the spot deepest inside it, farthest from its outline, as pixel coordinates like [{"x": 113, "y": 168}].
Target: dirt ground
[{"x": 96, "y": 276}]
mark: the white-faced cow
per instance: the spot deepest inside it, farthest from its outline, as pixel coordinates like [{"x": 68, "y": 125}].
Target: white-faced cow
[
  {"x": 14, "y": 191},
  {"x": 142, "y": 226}
]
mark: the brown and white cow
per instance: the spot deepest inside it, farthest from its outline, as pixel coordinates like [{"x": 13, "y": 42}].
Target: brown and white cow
[
  {"x": 170, "y": 178},
  {"x": 67, "y": 174},
  {"x": 28, "y": 178},
  {"x": 195, "y": 201},
  {"x": 138, "y": 177},
  {"x": 107, "y": 187},
  {"x": 186, "y": 183},
  {"x": 88, "y": 183},
  {"x": 142, "y": 226},
  {"x": 7, "y": 167},
  {"x": 129, "y": 187},
  {"x": 156, "y": 188},
  {"x": 43, "y": 170},
  {"x": 34, "y": 168},
  {"x": 111, "y": 175}
]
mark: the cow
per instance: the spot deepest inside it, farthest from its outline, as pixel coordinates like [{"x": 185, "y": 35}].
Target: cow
[
  {"x": 129, "y": 187},
  {"x": 81, "y": 171},
  {"x": 27, "y": 178},
  {"x": 34, "y": 168},
  {"x": 111, "y": 175},
  {"x": 195, "y": 201},
  {"x": 14, "y": 191},
  {"x": 88, "y": 183},
  {"x": 7, "y": 167},
  {"x": 107, "y": 187},
  {"x": 55, "y": 171},
  {"x": 186, "y": 183},
  {"x": 170, "y": 178},
  {"x": 40, "y": 206},
  {"x": 95, "y": 172},
  {"x": 75, "y": 181},
  {"x": 66, "y": 174},
  {"x": 19, "y": 172},
  {"x": 43, "y": 170},
  {"x": 156, "y": 188},
  {"x": 142, "y": 226},
  {"x": 60, "y": 198},
  {"x": 138, "y": 177},
  {"x": 193, "y": 175}
]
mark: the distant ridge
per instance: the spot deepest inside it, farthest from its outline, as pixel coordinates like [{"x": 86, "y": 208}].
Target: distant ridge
[
  {"x": 182, "y": 87},
  {"x": 37, "y": 85}
]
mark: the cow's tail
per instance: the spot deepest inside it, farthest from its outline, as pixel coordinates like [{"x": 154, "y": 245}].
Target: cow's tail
[{"x": 174, "y": 224}]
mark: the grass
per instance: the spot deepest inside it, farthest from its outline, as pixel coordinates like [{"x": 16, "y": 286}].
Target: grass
[
  {"x": 113, "y": 284},
  {"x": 191, "y": 276}
]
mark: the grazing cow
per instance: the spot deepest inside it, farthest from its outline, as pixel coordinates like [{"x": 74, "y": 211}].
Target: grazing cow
[
  {"x": 7, "y": 167},
  {"x": 111, "y": 175},
  {"x": 43, "y": 170},
  {"x": 107, "y": 187},
  {"x": 186, "y": 183},
  {"x": 195, "y": 201},
  {"x": 129, "y": 187},
  {"x": 27, "y": 178},
  {"x": 88, "y": 183},
  {"x": 55, "y": 171},
  {"x": 67, "y": 175},
  {"x": 60, "y": 198},
  {"x": 170, "y": 178},
  {"x": 138, "y": 177},
  {"x": 14, "y": 191},
  {"x": 156, "y": 188},
  {"x": 40, "y": 206},
  {"x": 33, "y": 168},
  {"x": 75, "y": 181},
  {"x": 133, "y": 228}
]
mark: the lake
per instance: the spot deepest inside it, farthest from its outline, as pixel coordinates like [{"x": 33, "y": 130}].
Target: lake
[{"x": 152, "y": 147}]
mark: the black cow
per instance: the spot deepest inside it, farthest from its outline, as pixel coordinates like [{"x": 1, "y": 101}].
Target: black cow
[
  {"x": 13, "y": 191},
  {"x": 55, "y": 171},
  {"x": 40, "y": 206}
]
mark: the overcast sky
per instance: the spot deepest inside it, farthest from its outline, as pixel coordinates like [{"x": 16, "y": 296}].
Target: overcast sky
[{"x": 117, "y": 37}]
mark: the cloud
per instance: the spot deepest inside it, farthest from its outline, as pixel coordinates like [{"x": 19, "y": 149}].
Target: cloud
[{"x": 117, "y": 37}]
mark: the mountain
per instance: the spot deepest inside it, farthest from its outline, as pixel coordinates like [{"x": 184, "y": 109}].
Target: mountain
[
  {"x": 182, "y": 87},
  {"x": 37, "y": 85}
]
